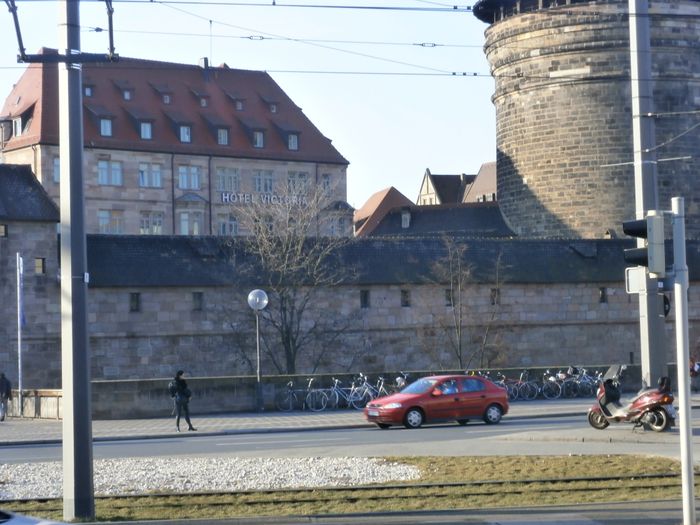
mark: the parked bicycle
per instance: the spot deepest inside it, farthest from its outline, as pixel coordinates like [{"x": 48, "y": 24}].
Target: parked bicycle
[{"x": 314, "y": 399}]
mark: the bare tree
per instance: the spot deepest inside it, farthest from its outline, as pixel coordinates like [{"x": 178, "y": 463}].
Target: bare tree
[
  {"x": 453, "y": 271},
  {"x": 294, "y": 257},
  {"x": 489, "y": 348}
]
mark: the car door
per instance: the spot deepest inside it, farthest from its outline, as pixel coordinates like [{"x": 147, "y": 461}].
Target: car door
[
  {"x": 444, "y": 405},
  {"x": 472, "y": 397}
]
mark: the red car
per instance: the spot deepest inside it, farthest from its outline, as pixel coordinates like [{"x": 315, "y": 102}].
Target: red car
[{"x": 440, "y": 398}]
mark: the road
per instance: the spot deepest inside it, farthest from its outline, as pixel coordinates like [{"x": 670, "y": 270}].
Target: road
[{"x": 555, "y": 436}]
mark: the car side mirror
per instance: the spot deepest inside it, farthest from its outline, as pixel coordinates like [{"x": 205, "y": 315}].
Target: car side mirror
[{"x": 437, "y": 392}]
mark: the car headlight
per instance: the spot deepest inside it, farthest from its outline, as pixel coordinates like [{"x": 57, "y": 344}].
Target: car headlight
[{"x": 393, "y": 405}]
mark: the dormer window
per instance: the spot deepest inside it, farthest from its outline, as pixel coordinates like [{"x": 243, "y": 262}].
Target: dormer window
[
  {"x": 222, "y": 136},
  {"x": 238, "y": 105},
  {"x": 273, "y": 108},
  {"x": 203, "y": 102},
  {"x": 106, "y": 127},
  {"x": 293, "y": 141},
  {"x": 185, "y": 134},
  {"x": 146, "y": 130},
  {"x": 167, "y": 99},
  {"x": 258, "y": 139},
  {"x": 88, "y": 91},
  {"x": 127, "y": 94},
  {"x": 17, "y": 126}
]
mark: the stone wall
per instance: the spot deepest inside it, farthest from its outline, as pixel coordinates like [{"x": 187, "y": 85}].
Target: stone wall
[{"x": 563, "y": 112}]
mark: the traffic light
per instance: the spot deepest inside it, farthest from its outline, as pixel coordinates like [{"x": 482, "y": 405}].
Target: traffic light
[{"x": 652, "y": 255}]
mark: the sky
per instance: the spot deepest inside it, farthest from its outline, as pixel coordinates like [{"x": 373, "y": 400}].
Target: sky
[{"x": 398, "y": 88}]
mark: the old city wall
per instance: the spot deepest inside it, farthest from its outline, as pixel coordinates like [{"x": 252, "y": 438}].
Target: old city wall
[
  {"x": 529, "y": 326},
  {"x": 563, "y": 114}
]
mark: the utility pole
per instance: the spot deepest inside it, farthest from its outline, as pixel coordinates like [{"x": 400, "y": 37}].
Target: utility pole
[
  {"x": 78, "y": 486},
  {"x": 651, "y": 318}
]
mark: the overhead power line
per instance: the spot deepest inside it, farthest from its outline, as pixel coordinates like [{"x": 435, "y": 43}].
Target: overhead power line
[{"x": 279, "y": 3}]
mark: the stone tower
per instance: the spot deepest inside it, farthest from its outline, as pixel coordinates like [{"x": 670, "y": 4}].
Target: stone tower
[{"x": 563, "y": 112}]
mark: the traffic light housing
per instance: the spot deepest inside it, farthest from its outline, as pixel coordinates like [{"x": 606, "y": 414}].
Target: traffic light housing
[{"x": 653, "y": 254}]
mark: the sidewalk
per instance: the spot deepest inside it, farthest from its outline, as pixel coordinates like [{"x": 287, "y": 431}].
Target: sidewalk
[{"x": 25, "y": 431}]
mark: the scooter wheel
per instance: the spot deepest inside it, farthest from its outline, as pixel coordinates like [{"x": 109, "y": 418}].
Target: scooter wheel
[
  {"x": 659, "y": 420},
  {"x": 596, "y": 420}
]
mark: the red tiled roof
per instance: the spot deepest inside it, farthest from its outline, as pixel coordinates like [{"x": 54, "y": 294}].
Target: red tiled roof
[
  {"x": 186, "y": 85},
  {"x": 370, "y": 215}
]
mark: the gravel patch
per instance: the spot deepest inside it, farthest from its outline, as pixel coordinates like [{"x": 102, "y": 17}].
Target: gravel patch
[{"x": 182, "y": 475}]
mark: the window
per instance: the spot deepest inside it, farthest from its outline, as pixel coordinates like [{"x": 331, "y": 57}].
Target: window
[
  {"x": 228, "y": 179},
  {"x": 106, "y": 127},
  {"x": 228, "y": 225},
  {"x": 146, "y": 130},
  {"x": 151, "y": 223},
  {"x": 17, "y": 126},
  {"x": 197, "y": 301},
  {"x": 88, "y": 91},
  {"x": 109, "y": 173},
  {"x": 293, "y": 141},
  {"x": 472, "y": 385},
  {"x": 495, "y": 296},
  {"x": 448, "y": 297},
  {"x": 364, "y": 299},
  {"x": 203, "y": 102},
  {"x": 326, "y": 183},
  {"x": 134, "y": 302},
  {"x": 264, "y": 181},
  {"x": 110, "y": 221},
  {"x": 258, "y": 139},
  {"x": 297, "y": 181},
  {"x": 167, "y": 99},
  {"x": 40, "y": 266},
  {"x": 239, "y": 105},
  {"x": 273, "y": 108},
  {"x": 405, "y": 298},
  {"x": 188, "y": 177},
  {"x": 127, "y": 94},
  {"x": 222, "y": 136},
  {"x": 150, "y": 175},
  {"x": 190, "y": 223},
  {"x": 185, "y": 134},
  {"x": 3, "y": 230},
  {"x": 57, "y": 169},
  {"x": 602, "y": 294}
]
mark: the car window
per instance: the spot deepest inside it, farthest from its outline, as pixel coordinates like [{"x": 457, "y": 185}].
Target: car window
[
  {"x": 449, "y": 387},
  {"x": 419, "y": 387},
  {"x": 471, "y": 384}
]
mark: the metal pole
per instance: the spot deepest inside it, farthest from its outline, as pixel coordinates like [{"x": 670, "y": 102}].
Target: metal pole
[
  {"x": 78, "y": 485},
  {"x": 20, "y": 386},
  {"x": 258, "y": 384},
  {"x": 651, "y": 320},
  {"x": 680, "y": 296}
]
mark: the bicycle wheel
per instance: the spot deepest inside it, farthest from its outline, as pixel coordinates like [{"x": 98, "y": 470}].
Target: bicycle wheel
[
  {"x": 569, "y": 388},
  {"x": 551, "y": 390},
  {"x": 316, "y": 400},
  {"x": 286, "y": 401},
  {"x": 512, "y": 391},
  {"x": 585, "y": 389},
  {"x": 359, "y": 399},
  {"x": 528, "y": 391},
  {"x": 333, "y": 399}
]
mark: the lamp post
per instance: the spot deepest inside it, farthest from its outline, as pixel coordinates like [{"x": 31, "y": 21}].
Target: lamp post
[{"x": 257, "y": 300}]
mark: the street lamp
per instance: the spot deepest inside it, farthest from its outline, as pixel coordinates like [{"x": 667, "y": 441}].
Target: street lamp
[{"x": 257, "y": 300}]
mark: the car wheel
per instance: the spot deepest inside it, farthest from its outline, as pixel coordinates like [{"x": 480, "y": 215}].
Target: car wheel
[
  {"x": 383, "y": 425},
  {"x": 462, "y": 421},
  {"x": 413, "y": 418},
  {"x": 493, "y": 414}
]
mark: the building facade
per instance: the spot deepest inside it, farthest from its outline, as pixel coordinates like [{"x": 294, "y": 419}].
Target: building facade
[{"x": 174, "y": 149}]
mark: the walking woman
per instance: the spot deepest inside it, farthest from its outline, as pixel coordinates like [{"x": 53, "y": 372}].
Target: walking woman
[{"x": 182, "y": 400}]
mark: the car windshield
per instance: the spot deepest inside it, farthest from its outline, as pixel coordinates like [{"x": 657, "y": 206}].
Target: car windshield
[{"x": 419, "y": 387}]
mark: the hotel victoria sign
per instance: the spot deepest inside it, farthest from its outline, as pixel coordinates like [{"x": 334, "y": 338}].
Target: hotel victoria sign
[{"x": 263, "y": 198}]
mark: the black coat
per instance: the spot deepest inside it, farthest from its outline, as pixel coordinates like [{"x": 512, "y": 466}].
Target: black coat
[{"x": 5, "y": 388}]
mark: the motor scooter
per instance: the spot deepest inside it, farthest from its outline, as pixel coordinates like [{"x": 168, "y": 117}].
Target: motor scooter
[{"x": 651, "y": 408}]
